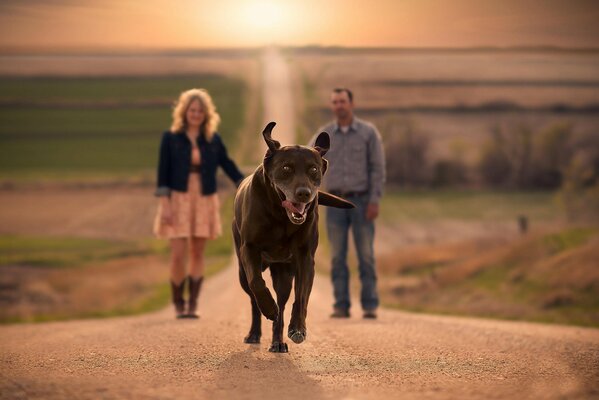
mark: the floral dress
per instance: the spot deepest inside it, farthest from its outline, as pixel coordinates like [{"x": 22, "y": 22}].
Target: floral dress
[{"x": 194, "y": 215}]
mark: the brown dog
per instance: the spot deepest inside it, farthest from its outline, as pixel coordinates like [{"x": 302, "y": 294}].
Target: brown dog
[{"x": 276, "y": 226}]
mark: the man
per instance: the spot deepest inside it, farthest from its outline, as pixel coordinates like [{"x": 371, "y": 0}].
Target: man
[{"x": 357, "y": 173}]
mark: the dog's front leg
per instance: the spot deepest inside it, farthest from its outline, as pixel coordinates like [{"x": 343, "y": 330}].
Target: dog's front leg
[
  {"x": 304, "y": 278},
  {"x": 252, "y": 263}
]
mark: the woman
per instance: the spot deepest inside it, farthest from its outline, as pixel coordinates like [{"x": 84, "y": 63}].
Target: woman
[{"x": 190, "y": 153}]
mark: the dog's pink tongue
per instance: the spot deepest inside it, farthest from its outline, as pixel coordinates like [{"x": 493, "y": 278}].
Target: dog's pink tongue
[{"x": 291, "y": 207}]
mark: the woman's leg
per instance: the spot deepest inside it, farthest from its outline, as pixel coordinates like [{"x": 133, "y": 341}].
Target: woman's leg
[
  {"x": 196, "y": 269},
  {"x": 178, "y": 249},
  {"x": 196, "y": 274},
  {"x": 177, "y": 274}
]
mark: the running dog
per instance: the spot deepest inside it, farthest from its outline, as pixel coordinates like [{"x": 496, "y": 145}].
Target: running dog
[{"x": 276, "y": 226}]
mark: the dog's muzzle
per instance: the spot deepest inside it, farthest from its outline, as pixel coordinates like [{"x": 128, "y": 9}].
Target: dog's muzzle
[{"x": 295, "y": 211}]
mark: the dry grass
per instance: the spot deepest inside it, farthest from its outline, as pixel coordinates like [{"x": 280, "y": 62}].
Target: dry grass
[
  {"x": 116, "y": 287},
  {"x": 551, "y": 277}
]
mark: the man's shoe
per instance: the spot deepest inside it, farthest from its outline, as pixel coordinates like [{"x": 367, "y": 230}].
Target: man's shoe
[
  {"x": 340, "y": 313},
  {"x": 369, "y": 314}
]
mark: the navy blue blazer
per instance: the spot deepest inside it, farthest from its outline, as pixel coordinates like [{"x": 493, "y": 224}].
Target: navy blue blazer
[{"x": 175, "y": 162}]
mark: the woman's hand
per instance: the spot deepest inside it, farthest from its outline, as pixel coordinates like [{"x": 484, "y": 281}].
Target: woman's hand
[{"x": 167, "y": 215}]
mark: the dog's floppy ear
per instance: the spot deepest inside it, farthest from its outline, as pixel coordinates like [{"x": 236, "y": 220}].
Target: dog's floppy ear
[
  {"x": 323, "y": 143},
  {"x": 270, "y": 142}
]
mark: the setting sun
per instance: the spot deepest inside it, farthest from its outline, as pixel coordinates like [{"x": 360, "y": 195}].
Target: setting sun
[
  {"x": 264, "y": 14},
  {"x": 261, "y": 21}
]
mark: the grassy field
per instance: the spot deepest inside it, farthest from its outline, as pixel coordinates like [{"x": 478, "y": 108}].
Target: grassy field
[
  {"x": 57, "y": 127},
  {"x": 402, "y": 206},
  {"x": 48, "y": 278}
]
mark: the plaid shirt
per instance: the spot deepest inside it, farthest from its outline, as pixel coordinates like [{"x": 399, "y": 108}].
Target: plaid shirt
[{"x": 356, "y": 159}]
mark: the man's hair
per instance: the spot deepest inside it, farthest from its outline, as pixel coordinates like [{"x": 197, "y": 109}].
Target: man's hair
[{"x": 350, "y": 95}]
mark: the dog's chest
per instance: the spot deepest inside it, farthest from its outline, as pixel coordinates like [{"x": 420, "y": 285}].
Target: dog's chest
[{"x": 276, "y": 254}]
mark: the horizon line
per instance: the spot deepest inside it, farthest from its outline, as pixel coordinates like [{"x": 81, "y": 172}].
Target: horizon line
[{"x": 107, "y": 50}]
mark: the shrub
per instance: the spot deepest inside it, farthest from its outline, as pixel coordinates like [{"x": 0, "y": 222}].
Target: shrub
[
  {"x": 406, "y": 154},
  {"x": 518, "y": 158},
  {"x": 553, "y": 151}
]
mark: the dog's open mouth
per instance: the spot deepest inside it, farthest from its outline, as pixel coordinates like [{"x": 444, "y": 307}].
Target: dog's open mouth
[{"x": 295, "y": 211}]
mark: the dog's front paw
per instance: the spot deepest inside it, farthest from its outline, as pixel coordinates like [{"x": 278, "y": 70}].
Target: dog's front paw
[
  {"x": 269, "y": 309},
  {"x": 296, "y": 335},
  {"x": 252, "y": 337},
  {"x": 278, "y": 347}
]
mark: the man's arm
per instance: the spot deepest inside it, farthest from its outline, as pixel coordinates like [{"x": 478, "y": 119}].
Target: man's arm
[{"x": 376, "y": 173}]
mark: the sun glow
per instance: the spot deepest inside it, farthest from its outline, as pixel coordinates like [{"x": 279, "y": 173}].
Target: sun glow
[{"x": 266, "y": 21}]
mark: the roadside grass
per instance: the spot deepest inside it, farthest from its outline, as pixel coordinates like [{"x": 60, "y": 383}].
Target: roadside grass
[
  {"x": 154, "y": 298},
  {"x": 76, "y": 252},
  {"x": 568, "y": 239},
  {"x": 63, "y": 252},
  {"x": 67, "y": 255},
  {"x": 550, "y": 277}
]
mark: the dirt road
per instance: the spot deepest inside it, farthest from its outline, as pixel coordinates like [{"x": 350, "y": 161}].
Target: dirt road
[
  {"x": 400, "y": 355},
  {"x": 277, "y": 96}
]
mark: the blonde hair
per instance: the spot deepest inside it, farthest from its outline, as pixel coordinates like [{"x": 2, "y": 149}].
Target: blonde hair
[{"x": 211, "y": 120}]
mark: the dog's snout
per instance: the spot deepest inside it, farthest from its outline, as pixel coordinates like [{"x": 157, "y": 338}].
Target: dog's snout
[{"x": 303, "y": 194}]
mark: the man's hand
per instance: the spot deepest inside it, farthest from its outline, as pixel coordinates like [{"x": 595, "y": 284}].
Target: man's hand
[{"x": 372, "y": 211}]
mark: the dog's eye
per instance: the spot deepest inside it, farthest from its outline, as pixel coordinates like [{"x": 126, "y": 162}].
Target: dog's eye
[
  {"x": 313, "y": 170},
  {"x": 286, "y": 168}
]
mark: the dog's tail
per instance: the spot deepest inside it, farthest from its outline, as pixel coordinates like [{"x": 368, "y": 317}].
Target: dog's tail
[{"x": 330, "y": 200}]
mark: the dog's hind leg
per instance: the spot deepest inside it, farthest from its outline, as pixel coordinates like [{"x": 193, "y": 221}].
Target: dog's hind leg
[
  {"x": 256, "y": 328},
  {"x": 282, "y": 280}
]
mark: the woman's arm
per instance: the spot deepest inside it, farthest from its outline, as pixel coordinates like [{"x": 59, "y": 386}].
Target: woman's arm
[
  {"x": 228, "y": 165},
  {"x": 162, "y": 179},
  {"x": 163, "y": 190}
]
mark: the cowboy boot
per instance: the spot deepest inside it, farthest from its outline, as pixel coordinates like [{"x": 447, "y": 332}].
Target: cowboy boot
[
  {"x": 194, "y": 292},
  {"x": 177, "y": 292}
]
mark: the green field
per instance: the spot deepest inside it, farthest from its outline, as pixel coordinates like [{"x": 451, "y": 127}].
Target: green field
[
  {"x": 399, "y": 206},
  {"x": 65, "y": 127}
]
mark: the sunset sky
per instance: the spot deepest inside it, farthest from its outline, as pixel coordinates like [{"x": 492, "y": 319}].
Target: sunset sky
[{"x": 240, "y": 23}]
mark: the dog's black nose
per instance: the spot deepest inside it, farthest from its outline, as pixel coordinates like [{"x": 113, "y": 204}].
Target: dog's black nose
[{"x": 302, "y": 194}]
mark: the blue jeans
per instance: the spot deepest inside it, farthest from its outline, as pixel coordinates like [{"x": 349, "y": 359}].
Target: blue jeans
[{"x": 338, "y": 223}]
